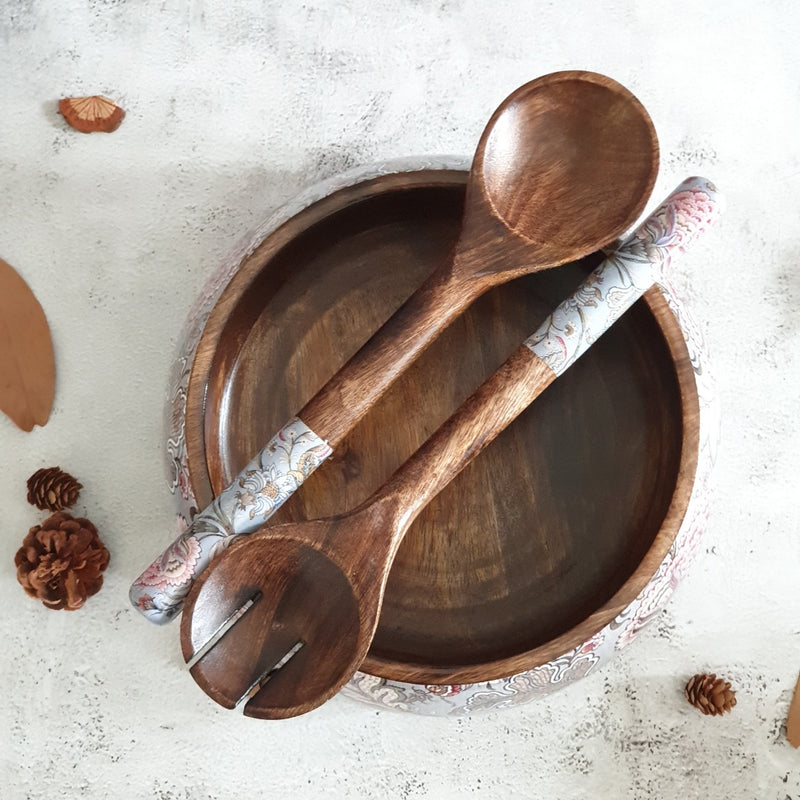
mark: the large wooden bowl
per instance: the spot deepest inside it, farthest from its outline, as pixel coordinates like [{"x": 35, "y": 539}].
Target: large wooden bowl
[{"x": 553, "y": 532}]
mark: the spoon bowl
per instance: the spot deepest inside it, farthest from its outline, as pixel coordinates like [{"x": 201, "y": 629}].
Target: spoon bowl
[
  {"x": 564, "y": 165},
  {"x": 566, "y": 160}
]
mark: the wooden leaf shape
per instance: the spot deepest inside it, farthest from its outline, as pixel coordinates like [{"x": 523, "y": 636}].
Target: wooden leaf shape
[
  {"x": 27, "y": 363},
  {"x": 91, "y": 114}
]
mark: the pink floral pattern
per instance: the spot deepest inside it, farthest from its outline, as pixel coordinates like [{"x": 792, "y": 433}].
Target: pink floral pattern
[
  {"x": 693, "y": 211},
  {"x": 175, "y": 566}
]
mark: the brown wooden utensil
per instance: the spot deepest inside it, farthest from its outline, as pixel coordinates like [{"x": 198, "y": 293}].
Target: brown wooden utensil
[
  {"x": 564, "y": 165},
  {"x": 314, "y": 589}
]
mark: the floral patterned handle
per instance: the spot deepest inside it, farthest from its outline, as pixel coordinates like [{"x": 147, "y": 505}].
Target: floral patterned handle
[
  {"x": 256, "y": 493},
  {"x": 626, "y": 274}
]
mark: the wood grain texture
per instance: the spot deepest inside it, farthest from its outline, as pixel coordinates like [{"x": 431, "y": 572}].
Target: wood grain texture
[
  {"x": 27, "y": 361},
  {"x": 592, "y": 156},
  {"x": 551, "y": 531}
]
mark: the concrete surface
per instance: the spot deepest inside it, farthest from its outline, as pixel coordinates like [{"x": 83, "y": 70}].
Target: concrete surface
[{"x": 233, "y": 107}]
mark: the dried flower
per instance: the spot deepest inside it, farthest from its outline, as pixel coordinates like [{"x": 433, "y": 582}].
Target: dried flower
[{"x": 91, "y": 114}]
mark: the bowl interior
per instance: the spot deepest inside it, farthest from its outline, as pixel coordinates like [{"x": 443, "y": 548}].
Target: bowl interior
[{"x": 551, "y": 531}]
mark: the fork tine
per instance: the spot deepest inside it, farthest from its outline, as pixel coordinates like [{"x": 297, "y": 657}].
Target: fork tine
[
  {"x": 224, "y": 627},
  {"x": 258, "y": 684}
]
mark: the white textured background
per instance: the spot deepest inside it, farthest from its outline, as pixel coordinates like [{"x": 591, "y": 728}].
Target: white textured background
[{"x": 233, "y": 107}]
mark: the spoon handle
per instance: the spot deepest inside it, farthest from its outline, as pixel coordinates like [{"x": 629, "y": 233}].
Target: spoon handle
[
  {"x": 336, "y": 408},
  {"x": 606, "y": 294}
]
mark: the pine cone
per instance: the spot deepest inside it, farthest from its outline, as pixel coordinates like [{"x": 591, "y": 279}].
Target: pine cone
[
  {"x": 52, "y": 489},
  {"x": 710, "y": 694},
  {"x": 61, "y": 561}
]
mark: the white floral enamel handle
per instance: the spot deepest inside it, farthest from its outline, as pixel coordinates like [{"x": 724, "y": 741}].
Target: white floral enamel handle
[
  {"x": 295, "y": 451},
  {"x": 625, "y": 274}
]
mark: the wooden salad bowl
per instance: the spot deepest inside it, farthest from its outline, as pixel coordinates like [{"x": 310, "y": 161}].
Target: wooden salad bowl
[{"x": 553, "y": 530}]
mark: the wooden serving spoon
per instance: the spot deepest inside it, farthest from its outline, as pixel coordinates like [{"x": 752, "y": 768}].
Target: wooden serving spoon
[
  {"x": 564, "y": 166},
  {"x": 315, "y": 588}
]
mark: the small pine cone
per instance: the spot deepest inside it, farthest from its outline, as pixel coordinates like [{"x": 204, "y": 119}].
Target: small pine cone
[
  {"x": 710, "y": 694},
  {"x": 61, "y": 561},
  {"x": 52, "y": 489}
]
